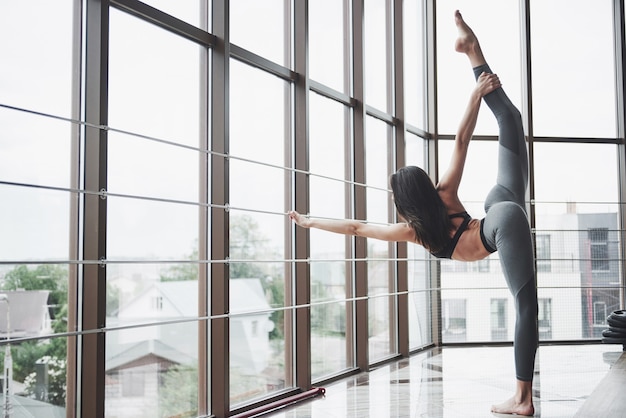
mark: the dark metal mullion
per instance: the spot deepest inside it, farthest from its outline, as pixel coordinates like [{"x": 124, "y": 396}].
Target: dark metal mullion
[
  {"x": 378, "y": 114},
  {"x": 360, "y": 201},
  {"x": 331, "y": 93},
  {"x": 302, "y": 283},
  {"x": 219, "y": 230},
  {"x": 417, "y": 131},
  {"x": 619, "y": 34},
  {"x": 261, "y": 63},
  {"x": 92, "y": 367},
  {"x": 400, "y": 154},
  {"x": 165, "y": 21}
]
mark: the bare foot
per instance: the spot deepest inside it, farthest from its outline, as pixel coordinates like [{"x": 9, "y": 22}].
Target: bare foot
[
  {"x": 513, "y": 406},
  {"x": 467, "y": 43}
]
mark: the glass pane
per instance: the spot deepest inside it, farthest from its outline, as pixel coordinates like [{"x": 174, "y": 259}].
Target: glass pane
[
  {"x": 146, "y": 230},
  {"x": 258, "y": 334},
  {"x": 141, "y": 167},
  {"x": 154, "y": 82},
  {"x": 36, "y": 75},
  {"x": 479, "y": 174},
  {"x": 38, "y": 370},
  {"x": 327, "y": 151},
  {"x": 262, "y": 27},
  {"x": 34, "y": 224},
  {"x": 152, "y": 370},
  {"x": 329, "y": 325},
  {"x": 145, "y": 364},
  {"x": 578, "y": 237},
  {"x": 256, "y": 187},
  {"x": 258, "y": 114},
  {"x": 329, "y": 43},
  {"x": 34, "y": 303},
  {"x": 419, "y": 281},
  {"x": 377, "y": 55},
  {"x": 414, "y": 63},
  {"x": 377, "y": 154},
  {"x": 38, "y": 57},
  {"x": 420, "y": 296},
  {"x": 571, "y": 173},
  {"x": 261, "y": 101},
  {"x": 328, "y": 328},
  {"x": 414, "y": 150},
  {"x": 381, "y": 273},
  {"x": 482, "y": 280},
  {"x": 562, "y": 104},
  {"x": 35, "y": 149},
  {"x": 259, "y": 339},
  {"x": 500, "y": 42}
]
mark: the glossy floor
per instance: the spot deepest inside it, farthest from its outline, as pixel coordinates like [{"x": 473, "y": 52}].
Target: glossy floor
[{"x": 463, "y": 382}]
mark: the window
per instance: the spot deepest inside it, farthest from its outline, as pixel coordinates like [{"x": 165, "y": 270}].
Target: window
[
  {"x": 543, "y": 252},
  {"x": 599, "y": 313},
  {"x": 133, "y": 383},
  {"x": 544, "y": 318},
  {"x": 199, "y": 132},
  {"x": 257, "y": 228},
  {"x": 557, "y": 66},
  {"x": 483, "y": 265},
  {"x": 381, "y": 272},
  {"x": 157, "y": 303},
  {"x": 499, "y": 320},
  {"x": 453, "y": 318},
  {"x": 330, "y": 331},
  {"x": 599, "y": 248}
]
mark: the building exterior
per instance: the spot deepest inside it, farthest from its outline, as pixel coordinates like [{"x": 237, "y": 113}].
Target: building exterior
[
  {"x": 578, "y": 280},
  {"x": 139, "y": 360}
]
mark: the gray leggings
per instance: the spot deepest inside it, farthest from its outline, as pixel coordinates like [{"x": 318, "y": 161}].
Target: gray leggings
[{"x": 506, "y": 228}]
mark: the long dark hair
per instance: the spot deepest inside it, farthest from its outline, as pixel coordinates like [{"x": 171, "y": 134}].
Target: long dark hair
[{"x": 418, "y": 202}]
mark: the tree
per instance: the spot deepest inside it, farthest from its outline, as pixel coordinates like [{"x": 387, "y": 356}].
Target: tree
[
  {"x": 184, "y": 271},
  {"x": 53, "y": 352},
  {"x": 247, "y": 243},
  {"x": 179, "y": 393}
]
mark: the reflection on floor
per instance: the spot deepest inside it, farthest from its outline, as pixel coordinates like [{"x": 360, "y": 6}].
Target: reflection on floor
[{"x": 463, "y": 382}]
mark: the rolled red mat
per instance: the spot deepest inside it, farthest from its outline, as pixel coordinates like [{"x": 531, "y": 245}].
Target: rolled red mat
[{"x": 282, "y": 403}]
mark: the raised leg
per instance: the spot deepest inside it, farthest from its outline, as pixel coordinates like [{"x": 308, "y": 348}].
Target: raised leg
[
  {"x": 467, "y": 42},
  {"x": 512, "y": 180},
  {"x": 506, "y": 226}
]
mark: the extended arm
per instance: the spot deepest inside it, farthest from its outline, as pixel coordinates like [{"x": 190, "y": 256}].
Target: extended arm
[
  {"x": 397, "y": 232},
  {"x": 448, "y": 185}
]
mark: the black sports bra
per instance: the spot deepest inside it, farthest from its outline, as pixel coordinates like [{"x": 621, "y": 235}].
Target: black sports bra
[{"x": 447, "y": 251}]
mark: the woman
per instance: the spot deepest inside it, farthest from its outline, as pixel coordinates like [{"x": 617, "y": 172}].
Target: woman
[{"x": 435, "y": 218}]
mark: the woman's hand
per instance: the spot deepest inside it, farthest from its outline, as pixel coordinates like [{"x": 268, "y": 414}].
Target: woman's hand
[
  {"x": 487, "y": 83},
  {"x": 300, "y": 220}
]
